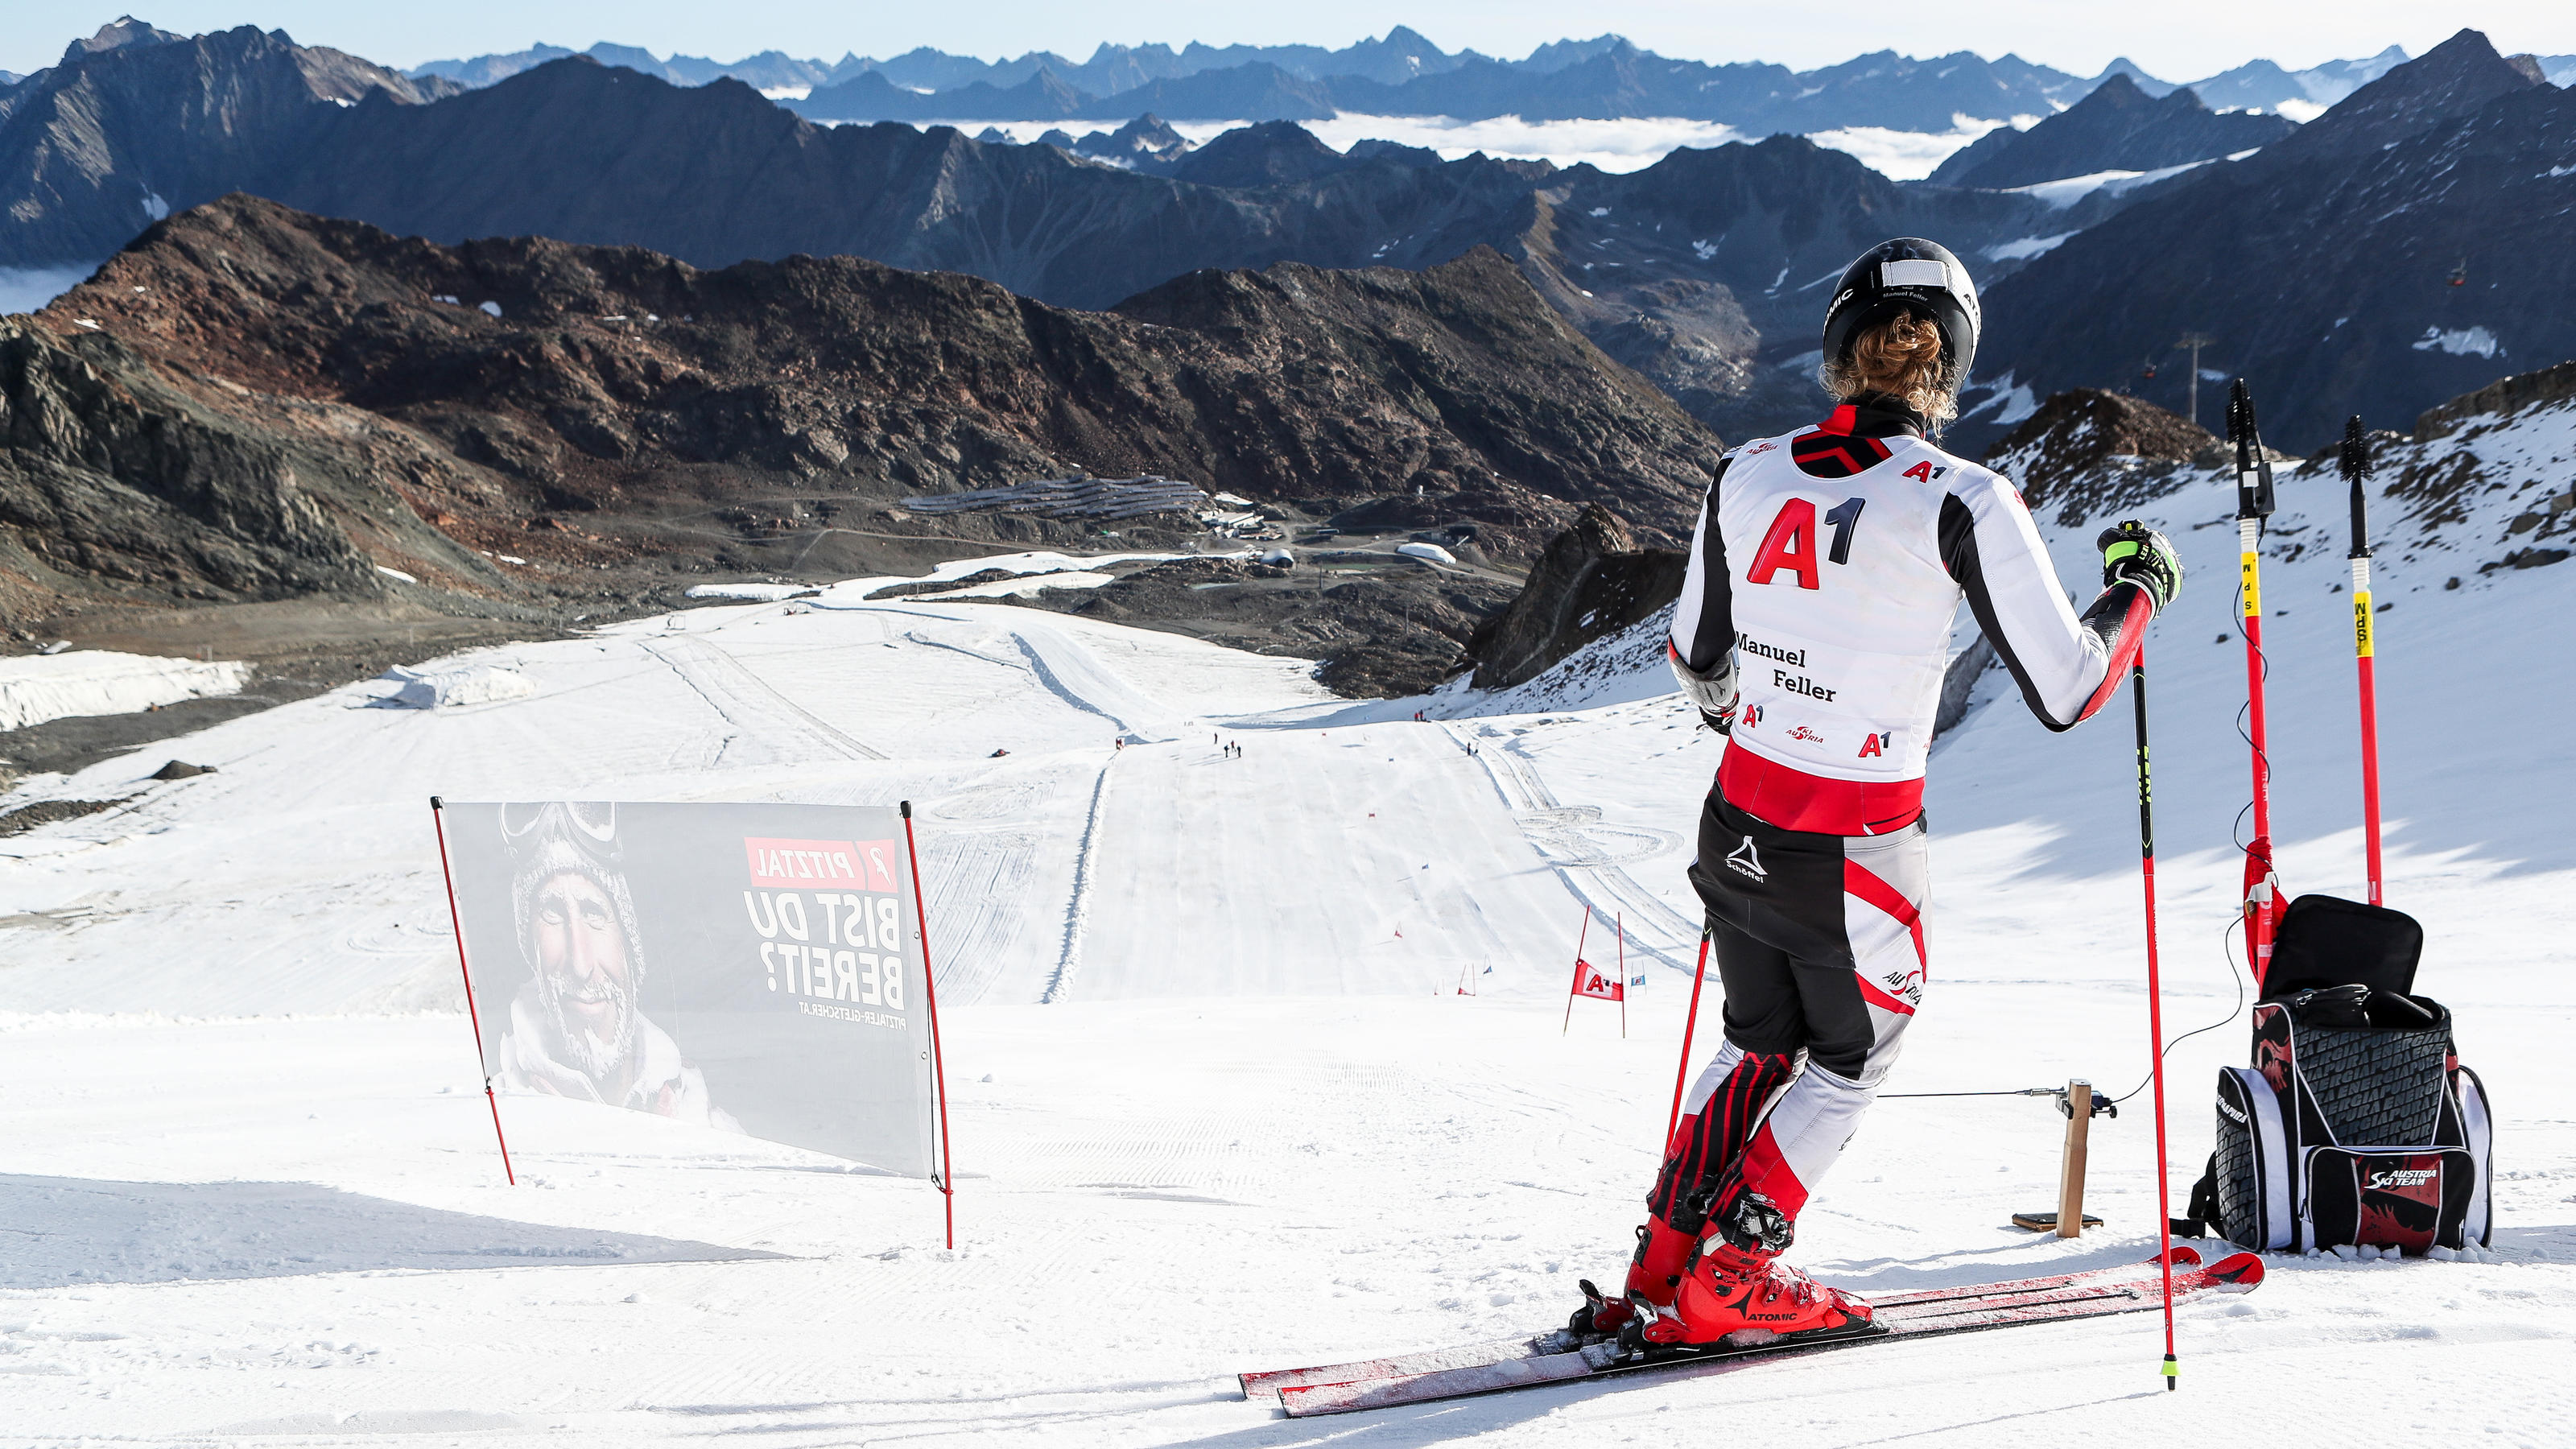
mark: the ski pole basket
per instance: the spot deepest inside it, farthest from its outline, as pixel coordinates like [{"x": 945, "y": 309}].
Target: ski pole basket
[{"x": 2356, "y": 1125}]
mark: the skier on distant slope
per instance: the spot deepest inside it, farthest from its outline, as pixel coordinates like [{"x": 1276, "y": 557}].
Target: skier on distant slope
[{"x": 1824, "y": 575}]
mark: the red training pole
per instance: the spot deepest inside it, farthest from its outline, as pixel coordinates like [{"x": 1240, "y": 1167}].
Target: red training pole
[
  {"x": 2259, "y": 874},
  {"x": 456, "y": 923},
  {"x": 2356, "y": 471},
  {"x": 2253, "y": 505},
  {"x": 1621, "y": 922},
  {"x": 2369, "y": 746},
  {"x": 1580, "y": 937},
  {"x": 1689, "y": 1022},
  {"x": 938, "y": 1062},
  {"x": 2155, "y": 1010}
]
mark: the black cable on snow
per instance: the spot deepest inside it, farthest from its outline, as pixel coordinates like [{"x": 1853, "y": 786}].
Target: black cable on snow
[{"x": 2227, "y": 937}]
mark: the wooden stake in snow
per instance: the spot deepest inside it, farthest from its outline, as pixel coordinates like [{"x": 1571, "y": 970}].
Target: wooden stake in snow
[
  {"x": 2070, "y": 1168},
  {"x": 2069, "y": 1221}
]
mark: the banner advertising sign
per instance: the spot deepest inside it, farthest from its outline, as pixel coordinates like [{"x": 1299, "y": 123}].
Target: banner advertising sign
[{"x": 752, "y": 968}]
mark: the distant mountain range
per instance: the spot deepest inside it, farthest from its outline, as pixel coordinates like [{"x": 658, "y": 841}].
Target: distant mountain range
[
  {"x": 2260, "y": 85},
  {"x": 1607, "y": 78},
  {"x": 1405, "y": 74},
  {"x": 1399, "y": 56},
  {"x": 1676, "y": 270},
  {"x": 2101, "y": 234}
]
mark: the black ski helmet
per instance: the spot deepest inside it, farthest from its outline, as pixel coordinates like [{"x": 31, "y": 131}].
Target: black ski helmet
[{"x": 1908, "y": 274}]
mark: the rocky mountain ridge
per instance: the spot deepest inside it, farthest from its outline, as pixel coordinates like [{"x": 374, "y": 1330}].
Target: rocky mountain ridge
[
  {"x": 1592, "y": 581},
  {"x": 255, "y": 404},
  {"x": 2401, "y": 249},
  {"x": 2116, "y": 128},
  {"x": 136, "y": 123}
]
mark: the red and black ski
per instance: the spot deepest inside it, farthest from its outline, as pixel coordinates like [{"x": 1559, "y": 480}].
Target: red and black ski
[{"x": 1554, "y": 1358}]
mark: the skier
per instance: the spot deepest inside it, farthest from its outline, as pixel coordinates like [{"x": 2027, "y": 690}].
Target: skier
[{"x": 1824, "y": 574}]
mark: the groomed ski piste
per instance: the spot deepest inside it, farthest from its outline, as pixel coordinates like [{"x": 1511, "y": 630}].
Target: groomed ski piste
[{"x": 1218, "y": 1105}]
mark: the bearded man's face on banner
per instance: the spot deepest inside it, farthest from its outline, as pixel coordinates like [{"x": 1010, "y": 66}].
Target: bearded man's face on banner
[{"x": 584, "y": 971}]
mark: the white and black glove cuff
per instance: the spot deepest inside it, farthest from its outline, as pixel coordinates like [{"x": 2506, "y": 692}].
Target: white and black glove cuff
[{"x": 1714, "y": 693}]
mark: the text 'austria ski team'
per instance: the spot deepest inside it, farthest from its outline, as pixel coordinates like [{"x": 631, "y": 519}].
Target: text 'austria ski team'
[{"x": 1813, "y": 630}]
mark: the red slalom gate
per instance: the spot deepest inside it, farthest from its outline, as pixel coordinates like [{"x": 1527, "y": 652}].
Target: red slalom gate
[{"x": 1588, "y": 980}]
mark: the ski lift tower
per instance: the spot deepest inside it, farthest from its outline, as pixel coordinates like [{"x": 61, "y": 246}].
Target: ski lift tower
[{"x": 2195, "y": 341}]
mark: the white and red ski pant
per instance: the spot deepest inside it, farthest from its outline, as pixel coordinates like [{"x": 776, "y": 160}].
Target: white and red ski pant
[{"x": 1819, "y": 946}]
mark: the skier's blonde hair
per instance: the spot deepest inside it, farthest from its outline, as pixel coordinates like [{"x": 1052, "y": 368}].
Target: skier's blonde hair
[{"x": 1902, "y": 358}]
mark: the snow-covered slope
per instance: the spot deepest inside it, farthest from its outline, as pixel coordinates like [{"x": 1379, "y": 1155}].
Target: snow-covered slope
[{"x": 1217, "y": 1103}]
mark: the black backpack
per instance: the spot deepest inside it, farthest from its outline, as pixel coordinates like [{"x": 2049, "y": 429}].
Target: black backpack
[{"x": 2356, "y": 1125}]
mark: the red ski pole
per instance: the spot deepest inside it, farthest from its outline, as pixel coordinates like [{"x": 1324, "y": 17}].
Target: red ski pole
[
  {"x": 2356, "y": 471},
  {"x": 2155, "y": 1010},
  {"x": 2253, "y": 505},
  {"x": 1689, "y": 1023}
]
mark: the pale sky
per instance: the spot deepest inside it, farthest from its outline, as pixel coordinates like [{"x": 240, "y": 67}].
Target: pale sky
[{"x": 2189, "y": 39}]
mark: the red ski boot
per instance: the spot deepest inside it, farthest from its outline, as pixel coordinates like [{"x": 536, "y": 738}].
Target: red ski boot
[
  {"x": 1663, "y": 1259},
  {"x": 1654, "y": 1276},
  {"x": 1739, "y": 1283},
  {"x": 1730, "y": 1290}
]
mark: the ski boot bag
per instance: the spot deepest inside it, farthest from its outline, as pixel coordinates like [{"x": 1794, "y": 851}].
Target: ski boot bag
[{"x": 2356, "y": 1125}]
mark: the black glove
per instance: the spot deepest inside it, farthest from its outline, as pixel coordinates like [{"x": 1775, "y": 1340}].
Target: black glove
[{"x": 2136, "y": 554}]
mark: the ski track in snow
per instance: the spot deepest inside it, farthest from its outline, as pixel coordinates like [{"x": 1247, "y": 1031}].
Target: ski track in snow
[
  {"x": 1069, "y": 964},
  {"x": 1568, "y": 838},
  {"x": 787, "y": 729},
  {"x": 251, "y": 1196}
]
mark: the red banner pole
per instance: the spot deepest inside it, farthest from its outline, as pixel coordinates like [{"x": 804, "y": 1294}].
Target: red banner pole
[
  {"x": 456, "y": 923},
  {"x": 938, "y": 1062},
  {"x": 1621, "y": 922},
  {"x": 1689, "y": 1023},
  {"x": 1579, "y": 938}
]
